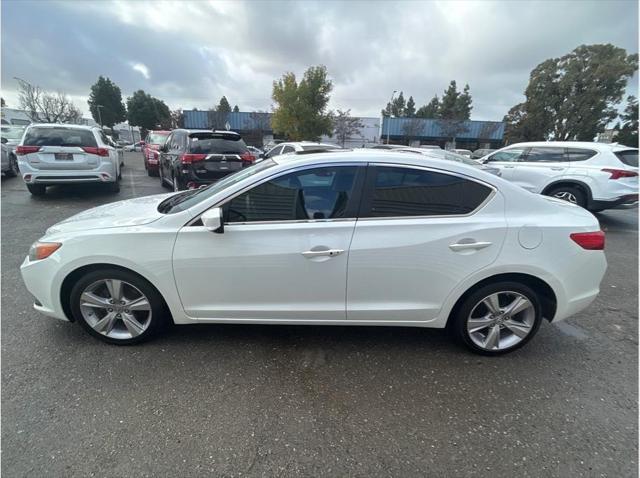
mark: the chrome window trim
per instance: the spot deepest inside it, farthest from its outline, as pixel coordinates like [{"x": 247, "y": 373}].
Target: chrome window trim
[{"x": 276, "y": 175}]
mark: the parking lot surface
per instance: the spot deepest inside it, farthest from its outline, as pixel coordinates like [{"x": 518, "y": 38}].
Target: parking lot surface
[{"x": 224, "y": 400}]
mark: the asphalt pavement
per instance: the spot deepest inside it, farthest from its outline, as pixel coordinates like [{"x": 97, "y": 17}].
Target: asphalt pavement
[{"x": 224, "y": 400}]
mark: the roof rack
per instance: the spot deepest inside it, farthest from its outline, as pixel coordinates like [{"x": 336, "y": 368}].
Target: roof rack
[{"x": 321, "y": 150}]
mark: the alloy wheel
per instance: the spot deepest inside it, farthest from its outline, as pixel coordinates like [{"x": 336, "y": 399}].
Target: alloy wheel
[
  {"x": 115, "y": 308},
  {"x": 501, "y": 320},
  {"x": 14, "y": 166},
  {"x": 566, "y": 196}
]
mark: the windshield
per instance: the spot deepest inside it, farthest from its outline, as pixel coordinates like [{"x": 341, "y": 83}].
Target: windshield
[
  {"x": 186, "y": 199},
  {"x": 12, "y": 132},
  {"x": 157, "y": 138}
]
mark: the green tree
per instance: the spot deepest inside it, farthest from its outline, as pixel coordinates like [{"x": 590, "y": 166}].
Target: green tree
[
  {"x": 300, "y": 110},
  {"x": 398, "y": 106},
  {"x": 148, "y": 112},
  {"x": 107, "y": 95},
  {"x": 455, "y": 105},
  {"x": 410, "y": 109},
  {"x": 574, "y": 97},
  {"x": 236, "y": 109},
  {"x": 431, "y": 110},
  {"x": 346, "y": 126},
  {"x": 223, "y": 107},
  {"x": 628, "y": 133}
]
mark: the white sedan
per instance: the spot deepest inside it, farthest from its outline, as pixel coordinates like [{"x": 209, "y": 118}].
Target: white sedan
[{"x": 368, "y": 237}]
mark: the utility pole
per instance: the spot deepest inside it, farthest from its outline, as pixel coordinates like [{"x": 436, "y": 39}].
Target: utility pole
[{"x": 389, "y": 122}]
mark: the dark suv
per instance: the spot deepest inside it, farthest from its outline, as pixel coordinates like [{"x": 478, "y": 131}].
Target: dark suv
[{"x": 191, "y": 158}]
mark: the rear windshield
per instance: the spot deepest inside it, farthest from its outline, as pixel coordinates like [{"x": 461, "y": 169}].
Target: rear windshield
[
  {"x": 156, "y": 138},
  {"x": 59, "y": 137},
  {"x": 216, "y": 144},
  {"x": 628, "y": 157}
]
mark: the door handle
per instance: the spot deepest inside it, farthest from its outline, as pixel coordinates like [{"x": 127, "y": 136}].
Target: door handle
[
  {"x": 558, "y": 168},
  {"x": 323, "y": 252},
  {"x": 462, "y": 246},
  {"x": 508, "y": 166}
]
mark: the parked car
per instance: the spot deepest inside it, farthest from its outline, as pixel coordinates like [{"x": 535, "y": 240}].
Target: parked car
[
  {"x": 151, "y": 145},
  {"x": 10, "y": 137},
  {"x": 347, "y": 238},
  {"x": 295, "y": 147},
  {"x": 450, "y": 156},
  {"x": 462, "y": 152},
  {"x": 595, "y": 176},
  {"x": 479, "y": 153},
  {"x": 118, "y": 147},
  {"x": 271, "y": 144},
  {"x": 256, "y": 152},
  {"x": 192, "y": 158},
  {"x": 135, "y": 147},
  {"x": 67, "y": 154}
]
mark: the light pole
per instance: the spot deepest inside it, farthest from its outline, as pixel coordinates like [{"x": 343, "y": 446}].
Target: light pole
[
  {"x": 389, "y": 122},
  {"x": 99, "y": 115}
]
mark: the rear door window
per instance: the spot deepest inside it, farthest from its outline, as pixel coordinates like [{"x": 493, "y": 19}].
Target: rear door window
[
  {"x": 212, "y": 143},
  {"x": 59, "y": 136},
  {"x": 579, "y": 154},
  {"x": 546, "y": 155},
  {"x": 628, "y": 157},
  {"x": 401, "y": 192}
]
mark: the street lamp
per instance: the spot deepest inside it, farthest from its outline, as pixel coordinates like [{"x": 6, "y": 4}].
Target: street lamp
[
  {"x": 99, "y": 115},
  {"x": 389, "y": 122}
]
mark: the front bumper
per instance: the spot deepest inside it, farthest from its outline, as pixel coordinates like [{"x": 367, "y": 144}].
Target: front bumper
[{"x": 38, "y": 277}]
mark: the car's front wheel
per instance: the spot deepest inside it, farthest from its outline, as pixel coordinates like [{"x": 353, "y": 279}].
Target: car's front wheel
[
  {"x": 117, "y": 306},
  {"x": 497, "y": 318}
]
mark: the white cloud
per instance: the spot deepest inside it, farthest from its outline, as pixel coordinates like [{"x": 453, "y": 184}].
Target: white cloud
[{"x": 142, "y": 68}]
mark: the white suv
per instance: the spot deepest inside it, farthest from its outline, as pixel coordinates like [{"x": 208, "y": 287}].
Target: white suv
[
  {"x": 63, "y": 153},
  {"x": 596, "y": 176},
  {"x": 295, "y": 147}
]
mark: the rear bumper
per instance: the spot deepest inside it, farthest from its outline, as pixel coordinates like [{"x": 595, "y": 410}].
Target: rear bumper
[
  {"x": 104, "y": 173},
  {"x": 627, "y": 201}
]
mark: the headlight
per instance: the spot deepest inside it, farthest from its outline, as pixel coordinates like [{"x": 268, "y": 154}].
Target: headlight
[{"x": 42, "y": 250}]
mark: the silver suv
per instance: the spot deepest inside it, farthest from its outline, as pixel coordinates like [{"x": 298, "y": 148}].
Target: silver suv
[{"x": 62, "y": 153}]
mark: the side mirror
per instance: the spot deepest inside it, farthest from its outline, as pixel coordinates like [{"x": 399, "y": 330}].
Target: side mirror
[
  {"x": 4, "y": 140},
  {"x": 212, "y": 220}
]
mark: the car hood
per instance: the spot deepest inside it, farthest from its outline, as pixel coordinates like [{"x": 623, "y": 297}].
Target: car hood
[{"x": 131, "y": 212}]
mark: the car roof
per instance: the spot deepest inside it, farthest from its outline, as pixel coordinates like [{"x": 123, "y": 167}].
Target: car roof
[
  {"x": 573, "y": 144},
  {"x": 63, "y": 125}
]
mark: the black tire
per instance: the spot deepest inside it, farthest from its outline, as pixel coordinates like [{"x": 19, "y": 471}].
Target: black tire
[
  {"x": 152, "y": 172},
  {"x": 457, "y": 324},
  {"x": 177, "y": 184},
  {"x": 564, "y": 192},
  {"x": 13, "y": 170},
  {"x": 37, "y": 189},
  {"x": 114, "y": 187},
  {"x": 160, "y": 316}
]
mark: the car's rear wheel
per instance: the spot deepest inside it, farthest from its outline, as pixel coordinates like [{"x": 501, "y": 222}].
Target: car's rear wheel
[
  {"x": 114, "y": 187},
  {"x": 37, "y": 189},
  {"x": 177, "y": 184},
  {"x": 163, "y": 181},
  {"x": 13, "y": 170},
  {"x": 570, "y": 194},
  {"x": 498, "y": 318},
  {"x": 117, "y": 306},
  {"x": 152, "y": 172}
]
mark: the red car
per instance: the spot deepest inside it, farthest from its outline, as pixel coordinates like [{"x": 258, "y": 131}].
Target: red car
[{"x": 153, "y": 141}]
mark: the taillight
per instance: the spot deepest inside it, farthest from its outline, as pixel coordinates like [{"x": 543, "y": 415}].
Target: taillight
[
  {"x": 99, "y": 151},
  {"x": 192, "y": 158},
  {"x": 20, "y": 150},
  {"x": 247, "y": 157},
  {"x": 593, "y": 241},
  {"x": 620, "y": 173}
]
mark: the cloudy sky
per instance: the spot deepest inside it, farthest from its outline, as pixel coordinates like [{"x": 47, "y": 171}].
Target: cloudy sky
[{"x": 190, "y": 54}]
